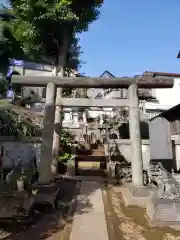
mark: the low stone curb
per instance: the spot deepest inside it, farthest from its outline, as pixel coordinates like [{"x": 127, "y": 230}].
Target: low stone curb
[{"x": 111, "y": 221}]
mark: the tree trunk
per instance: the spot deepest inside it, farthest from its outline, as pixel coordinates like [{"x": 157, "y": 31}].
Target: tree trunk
[{"x": 58, "y": 112}]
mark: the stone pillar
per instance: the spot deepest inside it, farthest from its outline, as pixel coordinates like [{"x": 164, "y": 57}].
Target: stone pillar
[
  {"x": 75, "y": 117},
  {"x": 58, "y": 124},
  {"x": 135, "y": 136},
  {"x": 47, "y": 137},
  {"x": 101, "y": 120},
  {"x": 84, "y": 118},
  {"x": 107, "y": 140},
  {"x": 76, "y": 120}
]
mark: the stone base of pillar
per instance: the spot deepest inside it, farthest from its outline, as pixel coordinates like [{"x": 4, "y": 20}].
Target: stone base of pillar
[
  {"x": 139, "y": 191},
  {"x": 136, "y": 196},
  {"x": 71, "y": 168},
  {"x": 111, "y": 170}
]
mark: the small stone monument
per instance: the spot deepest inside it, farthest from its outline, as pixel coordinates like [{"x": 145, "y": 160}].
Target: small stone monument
[{"x": 76, "y": 120}]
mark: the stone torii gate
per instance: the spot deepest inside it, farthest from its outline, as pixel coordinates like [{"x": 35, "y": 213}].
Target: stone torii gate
[{"x": 132, "y": 84}]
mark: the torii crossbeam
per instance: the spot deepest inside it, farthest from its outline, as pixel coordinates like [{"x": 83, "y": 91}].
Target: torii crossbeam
[{"x": 85, "y": 82}]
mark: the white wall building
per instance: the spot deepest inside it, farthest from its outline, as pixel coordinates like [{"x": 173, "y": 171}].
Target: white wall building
[{"x": 169, "y": 96}]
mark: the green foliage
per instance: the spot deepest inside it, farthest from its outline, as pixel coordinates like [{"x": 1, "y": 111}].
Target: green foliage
[
  {"x": 65, "y": 157},
  {"x": 41, "y": 26},
  {"x": 66, "y": 138},
  {"x": 73, "y": 60},
  {"x": 17, "y": 88},
  {"x": 12, "y": 125},
  {"x": 3, "y": 86},
  {"x": 65, "y": 146},
  {"x": 8, "y": 38}
]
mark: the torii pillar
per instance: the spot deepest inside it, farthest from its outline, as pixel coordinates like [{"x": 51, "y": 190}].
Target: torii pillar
[
  {"x": 45, "y": 175},
  {"x": 135, "y": 136}
]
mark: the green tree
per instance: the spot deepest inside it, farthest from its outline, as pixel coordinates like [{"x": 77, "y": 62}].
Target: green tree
[
  {"x": 9, "y": 46},
  {"x": 14, "y": 45},
  {"x": 45, "y": 26},
  {"x": 49, "y": 28}
]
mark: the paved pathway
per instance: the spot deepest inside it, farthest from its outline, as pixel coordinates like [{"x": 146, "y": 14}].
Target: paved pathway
[{"x": 89, "y": 220}]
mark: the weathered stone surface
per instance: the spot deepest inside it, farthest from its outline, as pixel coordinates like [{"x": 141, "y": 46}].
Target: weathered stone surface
[
  {"x": 46, "y": 193},
  {"x": 141, "y": 191},
  {"x": 89, "y": 220},
  {"x": 71, "y": 167},
  {"x": 16, "y": 151},
  {"x": 135, "y": 196},
  {"x": 164, "y": 213},
  {"x": 167, "y": 186},
  {"x": 17, "y": 205}
]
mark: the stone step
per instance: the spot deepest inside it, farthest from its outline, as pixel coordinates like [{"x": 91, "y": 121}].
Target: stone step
[
  {"x": 93, "y": 152},
  {"x": 91, "y": 165},
  {"x": 90, "y": 158},
  {"x": 98, "y": 151}
]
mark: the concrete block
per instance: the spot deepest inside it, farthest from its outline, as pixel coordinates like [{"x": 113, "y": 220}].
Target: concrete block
[
  {"x": 136, "y": 196},
  {"x": 164, "y": 212},
  {"x": 71, "y": 167},
  {"x": 141, "y": 191}
]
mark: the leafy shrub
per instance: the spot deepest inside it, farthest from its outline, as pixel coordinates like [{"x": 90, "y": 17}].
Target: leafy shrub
[
  {"x": 11, "y": 124},
  {"x": 65, "y": 147}
]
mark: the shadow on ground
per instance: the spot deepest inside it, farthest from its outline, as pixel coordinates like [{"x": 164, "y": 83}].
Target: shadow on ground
[{"x": 50, "y": 224}]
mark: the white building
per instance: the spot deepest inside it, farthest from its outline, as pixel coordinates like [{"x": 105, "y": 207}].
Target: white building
[
  {"x": 167, "y": 98},
  {"x": 33, "y": 69}
]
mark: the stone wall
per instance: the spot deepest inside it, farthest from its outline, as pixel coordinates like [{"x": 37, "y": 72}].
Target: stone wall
[
  {"x": 18, "y": 151},
  {"x": 125, "y": 149}
]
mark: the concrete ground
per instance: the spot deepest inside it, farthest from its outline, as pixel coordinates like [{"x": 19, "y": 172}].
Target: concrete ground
[
  {"x": 89, "y": 220},
  {"x": 96, "y": 217}
]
